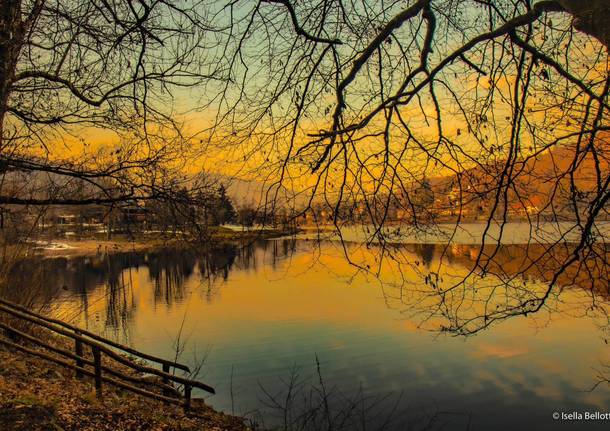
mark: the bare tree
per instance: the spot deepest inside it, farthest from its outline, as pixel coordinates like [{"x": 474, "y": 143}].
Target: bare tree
[
  {"x": 382, "y": 113},
  {"x": 424, "y": 111},
  {"x": 71, "y": 70}
]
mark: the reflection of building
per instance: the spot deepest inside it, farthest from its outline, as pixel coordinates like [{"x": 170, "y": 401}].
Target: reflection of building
[{"x": 66, "y": 219}]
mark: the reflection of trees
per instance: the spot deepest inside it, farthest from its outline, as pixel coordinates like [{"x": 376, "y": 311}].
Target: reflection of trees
[
  {"x": 169, "y": 270},
  {"x": 426, "y": 252},
  {"x": 217, "y": 261},
  {"x": 120, "y": 306},
  {"x": 511, "y": 284},
  {"x": 25, "y": 285},
  {"x": 536, "y": 262},
  {"x": 508, "y": 281}
]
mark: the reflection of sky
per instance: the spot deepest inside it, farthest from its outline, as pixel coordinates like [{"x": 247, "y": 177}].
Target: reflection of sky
[{"x": 261, "y": 322}]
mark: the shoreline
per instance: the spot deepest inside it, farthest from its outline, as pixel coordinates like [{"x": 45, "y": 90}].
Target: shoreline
[
  {"x": 122, "y": 243},
  {"x": 38, "y": 394}
]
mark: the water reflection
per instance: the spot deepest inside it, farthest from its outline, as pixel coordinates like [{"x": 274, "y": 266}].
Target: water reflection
[
  {"x": 168, "y": 269},
  {"x": 108, "y": 279},
  {"x": 262, "y": 309}
]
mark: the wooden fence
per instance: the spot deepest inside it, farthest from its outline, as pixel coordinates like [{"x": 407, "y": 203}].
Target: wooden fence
[{"x": 95, "y": 367}]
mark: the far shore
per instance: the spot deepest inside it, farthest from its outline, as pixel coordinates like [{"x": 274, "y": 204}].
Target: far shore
[
  {"x": 86, "y": 245},
  {"x": 515, "y": 232}
]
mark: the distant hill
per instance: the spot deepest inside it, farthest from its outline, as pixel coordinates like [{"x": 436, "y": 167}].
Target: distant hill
[{"x": 536, "y": 181}]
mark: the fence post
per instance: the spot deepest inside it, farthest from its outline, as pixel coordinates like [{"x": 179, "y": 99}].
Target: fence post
[
  {"x": 187, "y": 397},
  {"x": 97, "y": 361},
  {"x": 11, "y": 334},
  {"x": 78, "y": 349},
  {"x": 165, "y": 379}
]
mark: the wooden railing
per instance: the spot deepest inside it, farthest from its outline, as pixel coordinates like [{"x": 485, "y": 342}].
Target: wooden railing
[{"x": 95, "y": 367}]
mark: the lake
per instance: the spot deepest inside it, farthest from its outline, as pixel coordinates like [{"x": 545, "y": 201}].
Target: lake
[{"x": 276, "y": 310}]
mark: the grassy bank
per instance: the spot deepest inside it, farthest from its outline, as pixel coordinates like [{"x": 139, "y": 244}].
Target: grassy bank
[{"x": 38, "y": 395}]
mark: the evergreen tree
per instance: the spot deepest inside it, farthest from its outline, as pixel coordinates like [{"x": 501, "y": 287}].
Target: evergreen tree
[{"x": 222, "y": 208}]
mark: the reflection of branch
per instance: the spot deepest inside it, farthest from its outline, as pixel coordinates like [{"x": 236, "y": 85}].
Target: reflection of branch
[{"x": 603, "y": 376}]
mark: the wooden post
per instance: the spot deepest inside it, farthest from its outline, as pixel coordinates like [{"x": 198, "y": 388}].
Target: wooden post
[
  {"x": 97, "y": 361},
  {"x": 78, "y": 349},
  {"x": 166, "y": 380},
  {"x": 187, "y": 397},
  {"x": 12, "y": 335}
]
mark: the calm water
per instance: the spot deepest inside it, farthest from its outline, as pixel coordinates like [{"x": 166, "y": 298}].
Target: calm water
[{"x": 257, "y": 313}]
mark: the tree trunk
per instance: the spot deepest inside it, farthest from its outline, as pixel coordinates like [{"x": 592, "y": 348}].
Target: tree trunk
[
  {"x": 591, "y": 17},
  {"x": 12, "y": 30}
]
